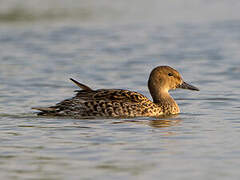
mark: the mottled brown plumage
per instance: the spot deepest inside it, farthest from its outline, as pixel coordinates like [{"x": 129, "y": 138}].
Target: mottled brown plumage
[{"x": 123, "y": 103}]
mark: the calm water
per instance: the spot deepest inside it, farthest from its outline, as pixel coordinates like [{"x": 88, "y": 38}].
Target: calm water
[{"x": 37, "y": 60}]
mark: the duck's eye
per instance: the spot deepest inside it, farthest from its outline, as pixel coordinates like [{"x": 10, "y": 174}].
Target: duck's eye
[{"x": 170, "y": 74}]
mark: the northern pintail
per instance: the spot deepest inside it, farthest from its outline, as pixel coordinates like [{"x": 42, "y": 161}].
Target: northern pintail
[{"x": 123, "y": 103}]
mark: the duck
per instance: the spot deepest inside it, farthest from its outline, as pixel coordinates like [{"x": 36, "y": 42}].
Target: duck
[{"x": 120, "y": 103}]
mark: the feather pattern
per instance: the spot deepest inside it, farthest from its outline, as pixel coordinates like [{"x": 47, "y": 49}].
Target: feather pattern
[{"x": 104, "y": 102}]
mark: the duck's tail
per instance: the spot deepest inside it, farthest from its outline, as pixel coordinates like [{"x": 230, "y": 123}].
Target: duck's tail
[
  {"x": 45, "y": 110},
  {"x": 54, "y": 110},
  {"x": 82, "y": 86}
]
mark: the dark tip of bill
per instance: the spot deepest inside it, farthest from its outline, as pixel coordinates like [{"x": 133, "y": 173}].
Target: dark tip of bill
[{"x": 185, "y": 85}]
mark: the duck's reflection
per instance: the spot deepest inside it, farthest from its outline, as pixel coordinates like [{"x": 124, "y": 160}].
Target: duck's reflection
[{"x": 161, "y": 122}]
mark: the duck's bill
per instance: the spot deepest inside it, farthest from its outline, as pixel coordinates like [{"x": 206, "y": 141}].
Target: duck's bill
[{"x": 185, "y": 85}]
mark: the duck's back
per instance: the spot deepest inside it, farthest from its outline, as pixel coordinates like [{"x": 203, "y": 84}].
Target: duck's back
[{"x": 104, "y": 103}]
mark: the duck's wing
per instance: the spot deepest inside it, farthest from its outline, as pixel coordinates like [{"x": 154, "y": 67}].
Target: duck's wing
[
  {"x": 88, "y": 101},
  {"x": 111, "y": 95},
  {"x": 107, "y": 94}
]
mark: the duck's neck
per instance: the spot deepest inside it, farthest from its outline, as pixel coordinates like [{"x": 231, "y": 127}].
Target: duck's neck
[
  {"x": 164, "y": 100},
  {"x": 161, "y": 96}
]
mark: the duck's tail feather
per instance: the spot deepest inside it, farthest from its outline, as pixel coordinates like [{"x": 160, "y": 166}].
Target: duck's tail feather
[
  {"x": 82, "y": 86},
  {"x": 45, "y": 110}
]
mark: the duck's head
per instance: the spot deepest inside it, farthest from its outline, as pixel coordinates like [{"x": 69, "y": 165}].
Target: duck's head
[{"x": 165, "y": 78}]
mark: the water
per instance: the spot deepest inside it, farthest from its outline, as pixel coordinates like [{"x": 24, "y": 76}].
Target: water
[{"x": 37, "y": 58}]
